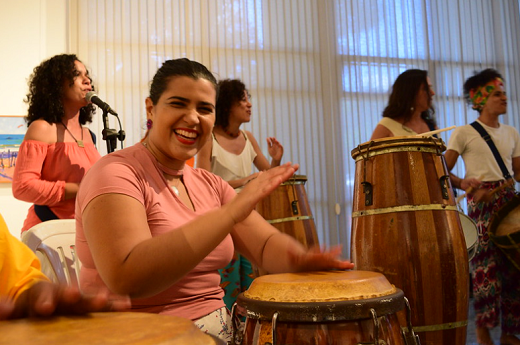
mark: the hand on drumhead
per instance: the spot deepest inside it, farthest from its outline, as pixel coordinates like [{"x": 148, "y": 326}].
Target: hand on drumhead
[
  {"x": 274, "y": 148},
  {"x": 45, "y": 299},
  {"x": 316, "y": 259},
  {"x": 258, "y": 188}
]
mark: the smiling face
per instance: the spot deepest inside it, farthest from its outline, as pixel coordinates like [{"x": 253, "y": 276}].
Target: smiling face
[
  {"x": 241, "y": 111},
  {"x": 74, "y": 94},
  {"x": 423, "y": 99},
  {"x": 182, "y": 119},
  {"x": 497, "y": 101}
]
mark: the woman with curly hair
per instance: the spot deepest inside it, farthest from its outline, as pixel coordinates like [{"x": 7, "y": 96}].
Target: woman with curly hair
[
  {"x": 57, "y": 150},
  {"x": 409, "y": 110}
]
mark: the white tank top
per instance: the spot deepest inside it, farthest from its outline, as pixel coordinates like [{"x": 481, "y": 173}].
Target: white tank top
[{"x": 230, "y": 166}]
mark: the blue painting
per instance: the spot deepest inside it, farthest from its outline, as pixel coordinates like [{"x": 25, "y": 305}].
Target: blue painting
[{"x": 12, "y": 131}]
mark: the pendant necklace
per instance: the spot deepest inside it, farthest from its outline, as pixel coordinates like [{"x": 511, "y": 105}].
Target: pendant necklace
[
  {"x": 168, "y": 171},
  {"x": 79, "y": 142},
  {"x": 175, "y": 190}
]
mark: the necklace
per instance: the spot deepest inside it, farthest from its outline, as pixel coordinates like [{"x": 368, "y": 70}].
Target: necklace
[
  {"x": 231, "y": 134},
  {"x": 164, "y": 168},
  {"x": 79, "y": 142}
]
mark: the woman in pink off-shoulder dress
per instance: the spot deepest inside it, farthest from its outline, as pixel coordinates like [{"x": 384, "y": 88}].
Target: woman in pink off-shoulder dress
[{"x": 57, "y": 150}]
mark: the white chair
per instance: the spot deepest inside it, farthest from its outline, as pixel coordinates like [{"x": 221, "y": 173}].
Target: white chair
[{"x": 53, "y": 242}]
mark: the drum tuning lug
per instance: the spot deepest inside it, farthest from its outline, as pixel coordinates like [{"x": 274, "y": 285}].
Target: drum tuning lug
[
  {"x": 409, "y": 336},
  {"x": 367, "y": 189},
  {"x": 444, "y": 181}
]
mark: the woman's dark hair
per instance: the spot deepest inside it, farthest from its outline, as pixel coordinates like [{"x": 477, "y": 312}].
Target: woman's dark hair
[
  {"x": 402, "y": 99},
  {"x": 45, "y": 97},
  {"x": 178, "y": 68},
  {"x": 479, "y": 79},
  {"x": 231, "y": 91}
]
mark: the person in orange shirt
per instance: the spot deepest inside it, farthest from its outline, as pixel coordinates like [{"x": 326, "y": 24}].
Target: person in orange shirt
[
  {"x": 26, "y": 291},
  {"x": 57, "y": 150}
]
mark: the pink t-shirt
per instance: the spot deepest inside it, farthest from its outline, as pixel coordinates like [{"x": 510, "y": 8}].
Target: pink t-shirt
[
  {"x": 135, "y": 172},
  {"x": 41, "y": 173}
]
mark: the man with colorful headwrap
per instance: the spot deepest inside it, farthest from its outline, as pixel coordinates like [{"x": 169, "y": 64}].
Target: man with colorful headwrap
[{"x": 496, "y": 282}]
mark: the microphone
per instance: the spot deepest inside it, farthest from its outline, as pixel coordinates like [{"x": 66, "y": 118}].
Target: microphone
[{"x": 91, "y": 97}]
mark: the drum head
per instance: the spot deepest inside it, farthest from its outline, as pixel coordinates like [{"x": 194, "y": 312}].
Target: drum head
[
  {"x": 106, "y": 328},
  {"x": 398, "y": 144},
  {"x": 321, "y": 296},
  {"x": 470, "y": 234}
]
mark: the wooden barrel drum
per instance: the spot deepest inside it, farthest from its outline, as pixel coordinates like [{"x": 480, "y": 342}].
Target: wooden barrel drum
[
  {"x": 504, "y": 230},
  {"x": 288, "y": 210},
  {"x": 322, "y": 308},
  {"x": 405, "y": 224},
  {"x": 105, "y": 328}
]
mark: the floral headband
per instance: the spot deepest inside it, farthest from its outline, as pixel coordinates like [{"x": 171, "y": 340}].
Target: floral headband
[{"x": 480, "y": 95}]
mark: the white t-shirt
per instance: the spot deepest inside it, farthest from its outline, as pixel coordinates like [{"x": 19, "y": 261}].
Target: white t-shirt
[
  {"x": 477, "y": 156},
  {"x": 231, "y": 166}
]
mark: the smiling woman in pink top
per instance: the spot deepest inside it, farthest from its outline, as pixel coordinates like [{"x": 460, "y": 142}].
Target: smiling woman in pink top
[
  {"x": 57, "y": 150},
  {"x": 152, "y": 227}
]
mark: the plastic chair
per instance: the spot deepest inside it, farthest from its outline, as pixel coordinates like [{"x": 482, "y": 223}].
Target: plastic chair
[{"x": 53, "y": 242}]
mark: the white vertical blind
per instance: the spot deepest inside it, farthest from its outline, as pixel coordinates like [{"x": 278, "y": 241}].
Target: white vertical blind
[{"x": 319, "y": 71}]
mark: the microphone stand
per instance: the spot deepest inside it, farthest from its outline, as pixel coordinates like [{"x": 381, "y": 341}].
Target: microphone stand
[{"x": 110, "y": 135}]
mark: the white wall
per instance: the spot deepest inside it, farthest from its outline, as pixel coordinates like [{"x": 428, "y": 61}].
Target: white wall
[{"x": 32, "y": 30}]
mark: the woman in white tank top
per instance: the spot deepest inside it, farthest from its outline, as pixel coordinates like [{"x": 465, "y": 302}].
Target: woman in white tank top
[
  {"x": 230, "y": 154},
  {"x": 231, "y": 151}
]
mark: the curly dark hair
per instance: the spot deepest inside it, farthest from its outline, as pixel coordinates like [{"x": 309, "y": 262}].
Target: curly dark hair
[
  {"x": 46, "y": 90},
  {"x": 231, "y": 91},
  {"x": 402, "y": 98},
  {"x": 178, "y": 68},
  {"x": 479, "y": 79}
]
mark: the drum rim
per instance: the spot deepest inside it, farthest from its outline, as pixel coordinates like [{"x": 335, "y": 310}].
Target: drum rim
[
  {"x": 497, "y": 218},
  {"x": 391, "y": 144},
  {"x": 323, "y": 311}
]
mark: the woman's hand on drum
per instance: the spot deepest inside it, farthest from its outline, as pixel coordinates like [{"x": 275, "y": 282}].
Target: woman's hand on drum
[
  {"x": 257, "y": 189},
  {"x": 316, "y": 259},
  {"x": 45, "y": 299}
]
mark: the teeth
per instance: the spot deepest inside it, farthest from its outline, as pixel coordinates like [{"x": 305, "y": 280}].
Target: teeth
[{"x": 191, "y": 135}]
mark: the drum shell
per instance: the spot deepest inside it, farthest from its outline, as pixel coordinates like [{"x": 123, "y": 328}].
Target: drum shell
[
  {"x": 508, "y": 243},
  {"x": 288, "y": 210},
  {"x": 412, "y": 233},
  {"x": 323, "y": 323}
]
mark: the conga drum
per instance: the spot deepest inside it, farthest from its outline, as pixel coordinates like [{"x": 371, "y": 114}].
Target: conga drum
[
  {"x": 322, "y": 308},
  {"x": 405, "y": 224},
  {"x": 504, "y": 230},
  {"x": 288, "y": 210},
  {"x": 105, "y": 328}
]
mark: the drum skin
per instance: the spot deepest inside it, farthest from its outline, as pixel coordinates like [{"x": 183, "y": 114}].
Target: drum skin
[
  {"x": 344, "y": 320},
  {"x": 411, "y": 232},
  {"x": 288, "y": 210},
  {"x": 105, "y": 328}
]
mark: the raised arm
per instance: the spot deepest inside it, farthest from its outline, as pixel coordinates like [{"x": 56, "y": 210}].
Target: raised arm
[{"x": 132, "y": 262}]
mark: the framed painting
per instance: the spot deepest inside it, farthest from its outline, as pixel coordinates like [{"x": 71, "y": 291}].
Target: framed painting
[{"x": 12, "y": 131}]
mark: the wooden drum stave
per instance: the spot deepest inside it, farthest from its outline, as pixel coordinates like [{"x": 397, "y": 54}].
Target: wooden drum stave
[
  {"x": 504, "y": 230},
  {"x": 405, "y": 224},
  {"x": 318, "y": 308},
  {"x": 105, "y": 328},
  {"x": 288, "y": 210}
]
